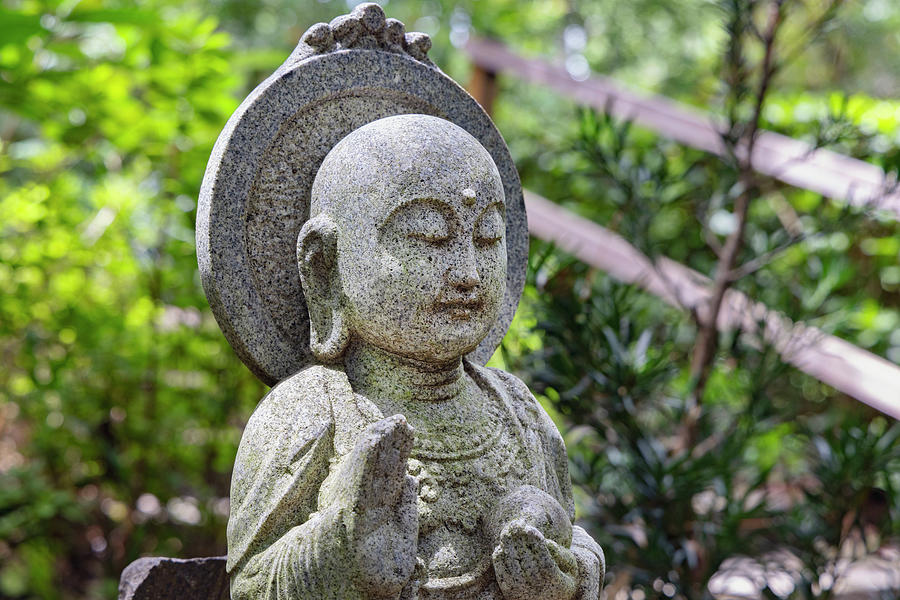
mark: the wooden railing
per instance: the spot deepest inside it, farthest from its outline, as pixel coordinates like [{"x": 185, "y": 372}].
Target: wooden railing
[
  {"x": 788, "y": 160},
  {"x": 849, "y": 369}
]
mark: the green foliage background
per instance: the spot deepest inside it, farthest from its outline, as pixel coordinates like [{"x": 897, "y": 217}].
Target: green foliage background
[{"x": 121, "y": 405}]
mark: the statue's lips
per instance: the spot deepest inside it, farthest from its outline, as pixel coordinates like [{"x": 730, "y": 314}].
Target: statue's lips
[{"x": 461, "y": 309}]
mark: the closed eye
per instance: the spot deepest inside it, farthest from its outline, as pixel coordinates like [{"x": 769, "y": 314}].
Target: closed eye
[
  {"x": 490, "y": 226},
  {"x": 422, "y": 219}
]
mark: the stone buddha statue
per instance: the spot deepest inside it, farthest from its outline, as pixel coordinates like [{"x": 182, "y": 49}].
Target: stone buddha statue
[
  {"x": 395, "y": 467},
  {"x": 362, "y": 241}
]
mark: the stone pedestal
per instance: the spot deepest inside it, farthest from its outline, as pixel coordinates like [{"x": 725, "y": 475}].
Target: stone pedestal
[{"x": 160, "y": 578}]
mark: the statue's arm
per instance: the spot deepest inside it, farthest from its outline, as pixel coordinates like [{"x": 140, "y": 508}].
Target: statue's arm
[
  {"x": 591, "y": 562},
  {"x": 278, "y": 545},
  {"x": 306, "y": 524},
  {"x": 306, "y": 563}
]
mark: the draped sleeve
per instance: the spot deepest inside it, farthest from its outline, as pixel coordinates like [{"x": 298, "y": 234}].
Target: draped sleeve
[{"x": 278, "y": 545}]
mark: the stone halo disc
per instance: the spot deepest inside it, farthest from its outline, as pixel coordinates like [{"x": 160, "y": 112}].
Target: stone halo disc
[{"x": 256, "y": 191}]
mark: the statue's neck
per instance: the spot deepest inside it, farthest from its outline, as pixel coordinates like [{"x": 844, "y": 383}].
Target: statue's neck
[{"x": 380, "y": 375}]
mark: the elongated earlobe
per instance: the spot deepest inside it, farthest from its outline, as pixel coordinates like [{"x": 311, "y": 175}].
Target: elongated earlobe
[{"x": 317, "y": 261}]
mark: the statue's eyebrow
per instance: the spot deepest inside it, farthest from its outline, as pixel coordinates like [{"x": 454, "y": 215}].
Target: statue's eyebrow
[
  {"x": 434, "y": 203},
  {"x": 499, "y": 204},
  {"x": 500, "y": 200}
]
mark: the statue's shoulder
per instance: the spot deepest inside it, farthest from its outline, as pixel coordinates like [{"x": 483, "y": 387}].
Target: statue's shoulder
[
  {"x": 515, "y": 386},
  {"x": 302, "y": 400},
  {"x": 527, "y": 408},
  {"x": 307, "y": 387},
  {"x": 294, "y": 419}
]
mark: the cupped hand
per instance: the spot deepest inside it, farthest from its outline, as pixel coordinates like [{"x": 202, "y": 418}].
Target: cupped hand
[{"x": 529, "y": 566}]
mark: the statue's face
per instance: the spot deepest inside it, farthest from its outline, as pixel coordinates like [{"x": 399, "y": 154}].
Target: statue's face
[{"x": 422, "y": 254}]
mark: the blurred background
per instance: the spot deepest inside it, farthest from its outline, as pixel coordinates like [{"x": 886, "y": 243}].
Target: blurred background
[{"x": 121, "y": 404}]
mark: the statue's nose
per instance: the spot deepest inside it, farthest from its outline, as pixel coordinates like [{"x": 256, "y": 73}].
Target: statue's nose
[{"x": 463, "y": 272}]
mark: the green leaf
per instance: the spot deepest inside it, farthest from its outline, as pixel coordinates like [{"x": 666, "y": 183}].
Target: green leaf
[
  {"x": 17, "y": 27},
  {"x": 124, "y": 16}
]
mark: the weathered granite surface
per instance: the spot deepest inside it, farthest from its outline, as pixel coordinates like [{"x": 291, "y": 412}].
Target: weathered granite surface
[
  {"x": 256, "y": 191},
  {"x": 362, "y": 241},
  {"x": 159, "y": 578}
]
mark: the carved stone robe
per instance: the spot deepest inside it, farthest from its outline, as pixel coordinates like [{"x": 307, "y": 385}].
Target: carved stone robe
[{"x": 280, "y": 543}]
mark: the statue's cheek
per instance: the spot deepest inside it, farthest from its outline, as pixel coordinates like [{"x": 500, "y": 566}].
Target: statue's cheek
[{"x": 492, "y": 268}]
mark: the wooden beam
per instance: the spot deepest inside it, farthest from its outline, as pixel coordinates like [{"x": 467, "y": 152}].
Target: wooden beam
[
  {"x": 788, "y": 160},
  {"x": 845, "y": 367},
  {"x": 483, "y": 87}
]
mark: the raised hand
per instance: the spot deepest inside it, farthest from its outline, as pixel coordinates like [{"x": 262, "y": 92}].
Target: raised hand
[
  {"x": 378, "y": 501},
  {"x": 528, "y": 566}
]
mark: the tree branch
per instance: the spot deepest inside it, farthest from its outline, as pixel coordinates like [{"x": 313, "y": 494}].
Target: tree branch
[{"x": 747, "y": 133}]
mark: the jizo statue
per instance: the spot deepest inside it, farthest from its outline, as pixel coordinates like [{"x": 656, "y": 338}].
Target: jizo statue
[{"x": 362, "y": 241}]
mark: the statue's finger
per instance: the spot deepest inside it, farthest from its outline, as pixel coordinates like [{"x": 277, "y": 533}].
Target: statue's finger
[
  {"x": 563, "y": 557},
  {"x": 383, "y": 451},
  {"x": 541, "y": 568},
  {"x": 526, "y": 538},
  {"x": 519, "y": 529},
  {"x": 392, "y": 453},
  {"x": 590, "y": 573}
]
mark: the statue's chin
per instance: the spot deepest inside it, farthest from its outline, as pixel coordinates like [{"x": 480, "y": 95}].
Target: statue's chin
[
  {"x": 436, "y": 356},
  {"x": 447, "y": 349}
]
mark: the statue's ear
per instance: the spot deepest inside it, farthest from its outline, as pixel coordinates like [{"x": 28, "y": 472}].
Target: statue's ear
[{"x": 317, "y": 260}]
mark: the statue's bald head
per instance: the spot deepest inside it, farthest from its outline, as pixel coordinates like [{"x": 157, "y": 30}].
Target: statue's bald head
[{"x": 404, "y": 152}]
